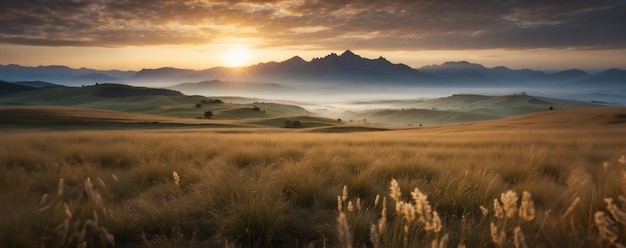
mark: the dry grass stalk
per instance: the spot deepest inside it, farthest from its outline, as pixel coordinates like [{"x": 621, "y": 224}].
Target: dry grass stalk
[
  {"x": 618, "y": 215},
  {"x": 60, "y": 187},
  {"x": 176, "y": 178},
  {"x": 518, "y": 238},
  {"x": 497, "y": 209},
  {"x": 376, "y": 201},
  {"x": 383, "y": 219},
  {"x": 578, "y": 180},
  {"x": 509, "y": 203},
  {"x": 374, "y": 236},
  {"x": 606, "y": 227},
  {"x": 339, "y": 204},
  {"x": 484, "y": 210},
  {"x": 395, "y": 191},
  {"x": 499, "y": 238},
  {"x": 527, "y": 208},
  {"x": 571, "y": 207},
  {"x": 622, "y": 180},
  {"x": 345, "y": 237},
  {"x": 442, "y": 243}
]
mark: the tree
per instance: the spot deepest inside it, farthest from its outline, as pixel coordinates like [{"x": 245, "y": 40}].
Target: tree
[
  {"x": 296, "y": 124},
  {"x": 208, "y": 114},
  {"x": 293, "y": 124},
  {"x": 198, "y": 105}
]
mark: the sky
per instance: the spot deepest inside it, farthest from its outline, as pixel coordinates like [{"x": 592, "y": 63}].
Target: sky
[{"x": 131, "y": 35}]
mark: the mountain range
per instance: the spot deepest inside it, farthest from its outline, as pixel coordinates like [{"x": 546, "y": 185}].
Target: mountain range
[{"x": 346, "y": 69}]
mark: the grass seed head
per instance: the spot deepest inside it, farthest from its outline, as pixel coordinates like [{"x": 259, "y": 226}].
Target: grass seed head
[
  {"x": 618, "y": 215},
  {"x": 606, "y": 227},
  {"x": 443, "y": 242},
  {"x": 509, "y": 202},
  {"x": 345, "y": 237},
  {"x": 527, "y": 208},
  {"x": 339, "y": 204},
  {"x": 499, "y": 238},
  {"x": 484, "y": 210},
  {"x": 176, "y": 178},
  {"x": 571, "y": 207},
  {"x": 497, "y": 209},
  {"x": 395, "y": 190},
  {"x": 518, "y": 238},
  {"x": 408, "y": 211},
  {"x": 383, "y": 219},
  {"x": 374, "y": 236},
  {"x": 435, "y": 223},
  {"x": 60, "y": 187},
  {"x": 376, "y": 201},
  {"x": 344, "y": 196}
]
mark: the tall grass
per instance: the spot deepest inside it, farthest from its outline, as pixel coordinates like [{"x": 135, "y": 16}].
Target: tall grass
[{"x": 206, "y": 188}]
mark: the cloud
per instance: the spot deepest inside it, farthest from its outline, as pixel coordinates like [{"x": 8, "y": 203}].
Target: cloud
[{"x": 354, "y": 24}]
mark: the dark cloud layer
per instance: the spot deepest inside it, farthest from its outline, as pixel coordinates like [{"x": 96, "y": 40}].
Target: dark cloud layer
[{"x": 354, "y": 24}]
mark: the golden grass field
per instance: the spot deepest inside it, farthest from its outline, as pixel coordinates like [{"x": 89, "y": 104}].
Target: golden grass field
[{"x": 271, "y": 187}]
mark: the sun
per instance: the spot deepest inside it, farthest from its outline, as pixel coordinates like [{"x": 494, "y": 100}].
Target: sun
[{"x": 237, "y": 56}]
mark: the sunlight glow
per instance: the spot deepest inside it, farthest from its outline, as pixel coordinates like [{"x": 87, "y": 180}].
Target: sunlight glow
[{"x": 237, "y": 56}]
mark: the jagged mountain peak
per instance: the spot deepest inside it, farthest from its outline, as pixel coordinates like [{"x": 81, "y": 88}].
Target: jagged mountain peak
[
  {"x": 349, "y": 53},
  {"x": 295, "y": 59}
]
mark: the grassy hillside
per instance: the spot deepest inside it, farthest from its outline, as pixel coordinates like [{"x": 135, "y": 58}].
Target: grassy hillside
[
  {"x": 287, "y": 188},
  {"x": 147, "y": 101},
  {"x": 7, "y": 88},
  {"x": 46, "y": 117},
  {"x": 460, "y": 108}
]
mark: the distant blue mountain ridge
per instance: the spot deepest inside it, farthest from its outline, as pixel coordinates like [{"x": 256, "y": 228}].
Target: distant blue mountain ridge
[{"x": 334, "y": 69}]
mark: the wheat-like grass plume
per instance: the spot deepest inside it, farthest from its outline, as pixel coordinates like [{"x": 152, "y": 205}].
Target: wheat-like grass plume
[
  {"x": 606, "y": 227},
  {"x": 376, "y": 200},
  {"x": 571, "y": 207},
  {"x": 527, "y": 208},
  {"x": 499, "y": 238},
  {"x": 374, "y": 236},
  {"x": 383, "y": 218},
  {"x": 509, "y": 203},
  {"x": 618, "y": 215},
  {"x": 497, "y": 209},
  {"x": 442, "y": 243},
  {"x": 176, "y": 178},
  {"x": 345, "y": 237},
  {"x": 60, "y": 187},
  {"x": 484, "y": 210},
  {"x": 518, "y": 238},
  {"x": 339, "y": 204},
  {"x": 395, "y": 191}
]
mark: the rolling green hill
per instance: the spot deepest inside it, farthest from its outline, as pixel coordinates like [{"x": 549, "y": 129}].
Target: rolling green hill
[
  {"x": 152, "y": 101},
  {"x": 460, "y": 108}
]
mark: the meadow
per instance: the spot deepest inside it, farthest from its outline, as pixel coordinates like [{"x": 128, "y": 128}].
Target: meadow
[{"x": 525, "y": 182}]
